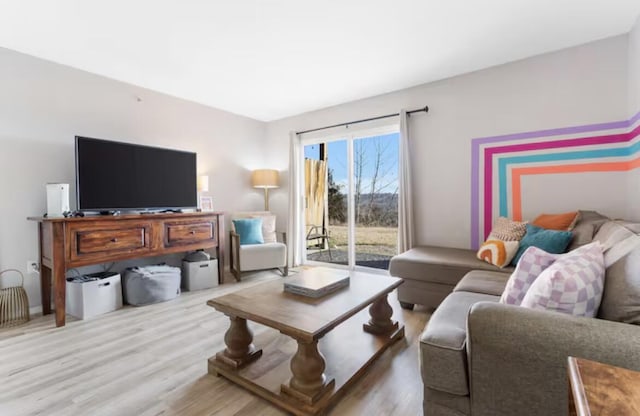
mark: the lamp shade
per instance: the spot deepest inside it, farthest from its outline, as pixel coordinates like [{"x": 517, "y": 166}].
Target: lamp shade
[
  {"x": 264, "y": 178},
  {"x": 203, "y": 183}
]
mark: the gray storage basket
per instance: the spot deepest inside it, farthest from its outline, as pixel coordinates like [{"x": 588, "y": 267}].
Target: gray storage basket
[{"x": 14, "y": 303}]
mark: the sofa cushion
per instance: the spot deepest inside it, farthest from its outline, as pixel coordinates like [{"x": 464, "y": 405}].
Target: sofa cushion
[
  {"x": 443, "y": 354},
  {"x": 618, "y": 239},
  {"x": 621, "y": 297},
  {"x": 438, "y": 264},
  {"x": 589, "y": 222},
  {"x": 480, "y": 281}
]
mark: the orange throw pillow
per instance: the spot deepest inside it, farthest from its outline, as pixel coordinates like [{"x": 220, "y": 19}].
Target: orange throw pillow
[{"x": 560, "y": 222}]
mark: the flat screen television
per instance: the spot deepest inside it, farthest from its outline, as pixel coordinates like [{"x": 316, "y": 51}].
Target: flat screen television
[{"x": 119, "y": 176}]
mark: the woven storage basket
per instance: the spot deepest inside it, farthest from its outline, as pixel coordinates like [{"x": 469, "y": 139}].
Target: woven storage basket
[{"x": 14, "y": 304}]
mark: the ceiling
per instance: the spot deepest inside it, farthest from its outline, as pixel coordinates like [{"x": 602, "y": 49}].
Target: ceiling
[{"x": 269, "y": 59}]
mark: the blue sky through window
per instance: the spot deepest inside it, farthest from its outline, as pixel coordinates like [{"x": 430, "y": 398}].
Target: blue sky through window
[{"x": 386, "y": 145}]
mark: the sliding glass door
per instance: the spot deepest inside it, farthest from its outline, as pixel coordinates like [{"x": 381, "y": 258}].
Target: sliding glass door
[
  {"x": 351, "y": 198},
  {"x": 375, "y": 194}
]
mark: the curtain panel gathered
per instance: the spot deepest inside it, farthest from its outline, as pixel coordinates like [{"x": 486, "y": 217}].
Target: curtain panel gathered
[
  {"x": 296, "y": 215},
  {"x": 406, "y": 237}
]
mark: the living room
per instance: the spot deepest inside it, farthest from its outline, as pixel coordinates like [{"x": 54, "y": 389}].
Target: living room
[{"x": 207, "y": 79}]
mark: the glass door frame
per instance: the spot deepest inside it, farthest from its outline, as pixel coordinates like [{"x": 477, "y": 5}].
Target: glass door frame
[{"x": 348, "y": 134}]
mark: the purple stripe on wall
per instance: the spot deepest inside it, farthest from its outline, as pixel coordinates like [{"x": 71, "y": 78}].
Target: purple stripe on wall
[{"x": 475, "y": 159}]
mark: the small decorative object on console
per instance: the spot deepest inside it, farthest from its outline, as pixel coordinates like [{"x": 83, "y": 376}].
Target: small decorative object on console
[
  {"x": 57, "y": 199},
  {"x": 206, "y": 204},
  {"x": 317, "y": 282}
]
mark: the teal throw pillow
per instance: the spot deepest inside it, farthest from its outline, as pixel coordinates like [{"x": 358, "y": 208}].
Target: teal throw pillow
[
  {"x": 551, "y": 241},
  {"x": 250, "y": 230}
]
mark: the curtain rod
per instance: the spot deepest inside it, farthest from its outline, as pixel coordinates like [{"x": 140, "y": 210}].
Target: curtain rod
[{"x": 419, "y": 110}]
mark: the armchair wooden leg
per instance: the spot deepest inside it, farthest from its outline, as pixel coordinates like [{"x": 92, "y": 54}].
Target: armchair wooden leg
[{"x": 284, "y": 270}]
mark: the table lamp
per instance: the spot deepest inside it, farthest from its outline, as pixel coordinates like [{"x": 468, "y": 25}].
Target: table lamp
[
  {"x": 266, "y": 179},
  {"x": 202, "y": 185}
]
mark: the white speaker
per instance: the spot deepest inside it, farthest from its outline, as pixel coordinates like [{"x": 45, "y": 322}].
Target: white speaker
[{"x": 57, "y": 199}]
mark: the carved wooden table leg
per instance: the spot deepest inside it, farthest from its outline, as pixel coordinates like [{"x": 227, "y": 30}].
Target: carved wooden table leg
[
  {"x": 380, "y": 322},
  {"x": 308, "y": 384},
  {"x": 240, "y": 350}
]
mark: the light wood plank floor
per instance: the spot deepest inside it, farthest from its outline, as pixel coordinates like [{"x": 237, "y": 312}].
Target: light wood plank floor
[{"x": 152, "y": 360}]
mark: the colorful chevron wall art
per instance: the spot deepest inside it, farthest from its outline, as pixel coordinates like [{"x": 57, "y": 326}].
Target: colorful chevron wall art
[{"x": 499, "y": 163}]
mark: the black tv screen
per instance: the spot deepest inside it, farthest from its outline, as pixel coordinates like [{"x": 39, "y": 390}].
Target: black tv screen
[{"x": 121, "y": 176}]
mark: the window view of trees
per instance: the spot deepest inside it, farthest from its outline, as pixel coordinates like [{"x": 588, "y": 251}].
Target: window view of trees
[{"x": 375, "y": 196}]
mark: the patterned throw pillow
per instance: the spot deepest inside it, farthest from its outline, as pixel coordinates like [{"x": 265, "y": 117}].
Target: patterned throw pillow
[
  {"x": 533, "y": 262},
  {"x": 498, "y": 252},
  {"x": 573, "y": 284},
  {"x": 550, "y": 241},
  {"x": 507, "y": 230}
]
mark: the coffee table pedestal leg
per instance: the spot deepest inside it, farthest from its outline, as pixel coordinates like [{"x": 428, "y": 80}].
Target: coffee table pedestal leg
[
  {"x": 308, "y": 384},
  {"x": 380, "y": 322},
  {"x": 240, "y": 350}
]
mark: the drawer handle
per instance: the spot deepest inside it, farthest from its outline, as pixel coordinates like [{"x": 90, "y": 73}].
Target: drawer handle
[
  {"x": 192, "y": 232},
  {"x": 114, "y": 240}
]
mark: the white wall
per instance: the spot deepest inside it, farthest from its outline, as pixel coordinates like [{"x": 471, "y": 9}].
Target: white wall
[
  {"x": 577, "y": 86},
  {"x": 634, "y": 108},
  {"x": 634, "y": 68},
  {"x": 44, "y": 105}
]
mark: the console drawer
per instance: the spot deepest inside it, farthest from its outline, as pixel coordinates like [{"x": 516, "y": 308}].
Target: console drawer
[
  {"x": 102, "y": 241},
  {"x": 192, "y": 232},
  {"x": 89, "y": 242}
]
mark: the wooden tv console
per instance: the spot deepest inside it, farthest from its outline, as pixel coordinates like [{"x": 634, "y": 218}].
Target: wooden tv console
[{"x": 66, "y": 243}]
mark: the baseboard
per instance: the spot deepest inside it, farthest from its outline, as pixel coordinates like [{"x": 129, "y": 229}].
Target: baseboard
[{"x": 35, "y": 310}]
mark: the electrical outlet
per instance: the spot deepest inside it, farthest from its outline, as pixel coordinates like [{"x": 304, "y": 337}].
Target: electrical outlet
[{"x": 33, "y": 266}]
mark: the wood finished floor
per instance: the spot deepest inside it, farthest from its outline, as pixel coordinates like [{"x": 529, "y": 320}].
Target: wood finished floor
[{"x": 152, "y": 360}]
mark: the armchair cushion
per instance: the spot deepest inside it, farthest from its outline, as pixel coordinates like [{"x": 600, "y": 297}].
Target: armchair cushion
[
  {"x": 249, "y": 230},
  {"x": 262, "y": 256}
]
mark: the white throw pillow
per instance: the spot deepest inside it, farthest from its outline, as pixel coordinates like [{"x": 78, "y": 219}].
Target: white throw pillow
[{"x": 268, "y": 228}]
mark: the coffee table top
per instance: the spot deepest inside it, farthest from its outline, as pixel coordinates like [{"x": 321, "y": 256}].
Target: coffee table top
[{"x": 302, "y": 317}]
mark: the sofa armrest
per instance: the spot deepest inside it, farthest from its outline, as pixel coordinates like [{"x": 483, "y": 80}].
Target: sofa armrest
[{"x": 518, "y": 356}]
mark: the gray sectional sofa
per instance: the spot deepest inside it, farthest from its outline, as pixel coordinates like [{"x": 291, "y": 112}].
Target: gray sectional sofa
[{"x": 483, "y": 358}]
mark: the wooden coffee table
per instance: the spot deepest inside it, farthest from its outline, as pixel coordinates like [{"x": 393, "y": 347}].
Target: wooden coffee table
[{"x": 294, "y": 374}]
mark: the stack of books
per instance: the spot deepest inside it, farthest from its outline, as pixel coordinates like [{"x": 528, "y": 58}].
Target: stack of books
[{"x": 317, "y": 282}]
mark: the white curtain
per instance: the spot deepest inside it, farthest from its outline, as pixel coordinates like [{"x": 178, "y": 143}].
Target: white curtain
[
  {"x": 405, "y": 200},
  {"x": 295, "y": 204}
]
